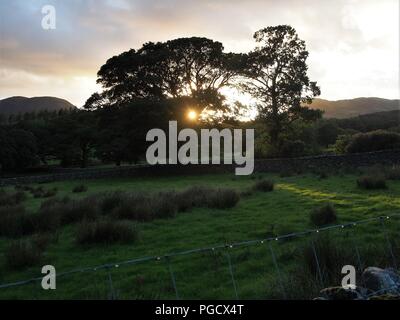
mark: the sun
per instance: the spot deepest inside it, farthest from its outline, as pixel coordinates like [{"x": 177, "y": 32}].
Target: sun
[{"x": 192, "y": 115}]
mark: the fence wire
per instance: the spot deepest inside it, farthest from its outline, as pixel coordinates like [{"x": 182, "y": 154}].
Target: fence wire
[{"x": 227, "y": 250}]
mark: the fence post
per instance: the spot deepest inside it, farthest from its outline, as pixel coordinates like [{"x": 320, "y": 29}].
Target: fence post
[
  {"x": 172, "y": 275},
  {"x": 231, "y": 273},
  {"x": 388, "y": 241},
  {"x": 112, "y": 295},
  {"x": 360, "y": 264},
  {"x": 317, "y": 263},
  {"x": 278, "y": 271}
]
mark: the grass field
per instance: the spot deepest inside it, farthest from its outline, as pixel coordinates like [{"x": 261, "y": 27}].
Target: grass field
[{"x": 207, "y": 275}]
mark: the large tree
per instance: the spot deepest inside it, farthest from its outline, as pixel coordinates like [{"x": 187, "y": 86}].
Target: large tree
[
  {"x": 73, "y": 137},
  {"x": 18, "y": 149},
  {"x": 122, "y": 130},
  {"x": 185, "y": 67},
  {"x": 276, "y": 76}
]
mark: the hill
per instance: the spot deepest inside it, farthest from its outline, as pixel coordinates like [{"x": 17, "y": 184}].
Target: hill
[
  {"x": 354, "y": 107},
  {"x": 373, "y": 121},
  {"x": 16, "y": 105}
]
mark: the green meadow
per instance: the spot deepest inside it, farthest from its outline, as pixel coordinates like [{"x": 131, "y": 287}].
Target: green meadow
[{"x": 247, "y": 271}]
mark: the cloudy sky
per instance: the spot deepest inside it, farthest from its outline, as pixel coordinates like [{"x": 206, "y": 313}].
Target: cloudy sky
[{"x": 353, "y": 44}]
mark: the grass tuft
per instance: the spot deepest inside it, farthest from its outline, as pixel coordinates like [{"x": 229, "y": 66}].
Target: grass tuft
[
  {"x": 106, "y": 232},
  {"x": 22, "y": 254},
  {"x": 264, "y": 185},
  {"x": 323, "y": 215},
  {"x": 372, "y": 182}
]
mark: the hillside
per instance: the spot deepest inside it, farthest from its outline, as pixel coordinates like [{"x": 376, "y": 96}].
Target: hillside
[
  {"x": 372, "y": 121},
  {"x": 16, "y": 105},
  {"x": 354, "y": 107}
]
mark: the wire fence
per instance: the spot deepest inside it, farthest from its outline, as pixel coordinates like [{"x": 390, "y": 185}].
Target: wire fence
[{"x": 271, "y": 267}]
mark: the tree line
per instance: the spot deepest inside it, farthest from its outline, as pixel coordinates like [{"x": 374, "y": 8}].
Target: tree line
[{"x": 145, "y": 88}]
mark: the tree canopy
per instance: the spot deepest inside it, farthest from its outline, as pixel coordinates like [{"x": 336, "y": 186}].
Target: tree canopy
[
  {"x": 186, "y": 67},
  {"x": 275, "y": 74}
]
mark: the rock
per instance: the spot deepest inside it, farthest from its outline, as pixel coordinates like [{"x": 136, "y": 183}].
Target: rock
[
  {"x": 384, "y": 281},
  {"x": 339, "y": 293},
  {"x": 379, "y": 284}
]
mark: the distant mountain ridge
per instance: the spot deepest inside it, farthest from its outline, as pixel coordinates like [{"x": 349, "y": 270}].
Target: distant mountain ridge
[
  {"x": 354, "y": 107},
  {"x": 340, "y": 109},
  {"x": 16, "y": 105}
]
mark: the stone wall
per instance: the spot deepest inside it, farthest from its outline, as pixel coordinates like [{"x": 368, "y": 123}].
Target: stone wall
[{"x": 330, "y": 162}]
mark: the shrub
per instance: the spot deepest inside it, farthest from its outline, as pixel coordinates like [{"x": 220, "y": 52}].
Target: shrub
[
  {"x": 22, "y": 254},
  {"x": 138, "y": 207},
  {"x": 207, "y": 198},
  {"x": 15, "y": 222},
  {"x": 106, "y": 232},
  {"x": 371, "y": 182},
  {"x": 80, "y": 188},
  {"x": 56, "y": 212},
  {"x": 131, "y": 206},
  {"x": 323, "y": 215},
  {"x": 224, "y": 199},
  {"x": 109, "y": 201},
  {"x": 342, "y": 143},
  {"x": 373, "y": 141},
  {"x": 48, "y": 219},
  {"x": 192, "y": 197},
  {"x": 165, "y": 205},
  {"x": 144, "y": 207},
  {"x": 264, "y": 185},
  {"x": 79, "y": 210}
]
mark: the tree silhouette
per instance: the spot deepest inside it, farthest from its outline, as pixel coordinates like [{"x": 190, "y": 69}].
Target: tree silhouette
[
  {"x": 276, "y": 75},
  {"x": 185, "y": 67}
]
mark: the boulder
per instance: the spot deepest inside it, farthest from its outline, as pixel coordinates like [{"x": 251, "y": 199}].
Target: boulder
[
  {"x": 382, "y": 281},
  {"x": 340, "y": 293}
]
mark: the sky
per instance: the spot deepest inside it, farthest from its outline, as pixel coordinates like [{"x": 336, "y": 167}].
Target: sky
[{"x": 353, "y": 44}]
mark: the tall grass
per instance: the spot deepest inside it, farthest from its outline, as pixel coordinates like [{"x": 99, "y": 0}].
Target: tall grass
[
  {"x": 22, "y": 254},
  {"x": 372, "y": 182},
  {"x": 15, "y": 222},
  {"x": 136, "y": 206},
  {"x": 106, "y": 232},
  {"x": 318, "y": 264}
]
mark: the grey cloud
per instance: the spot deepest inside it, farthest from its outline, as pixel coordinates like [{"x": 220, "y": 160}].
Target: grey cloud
[{"x": 90, "y": 31}]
